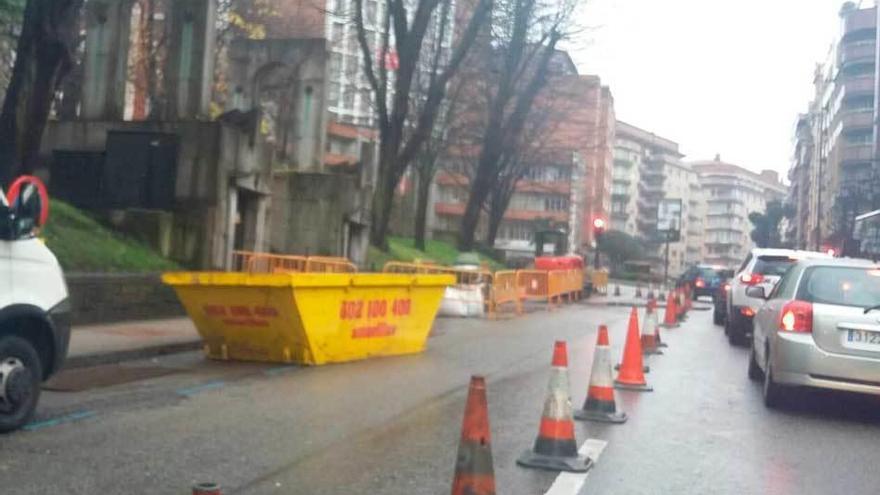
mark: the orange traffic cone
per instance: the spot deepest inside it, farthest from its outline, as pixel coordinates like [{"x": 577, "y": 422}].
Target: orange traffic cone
[
  {"x": 634, "y": 323},
  {"x": 660, "y": 342},
  {"x": 670, "y": 317},
  {"x": 555, "y": 448},
  {"x": 206, "y": 489},
  {"x": 631, "y": 375},
  {"x": 649, "y": 331},
  {"x": 474, "y": 474},
  {"x": 601, "y": 404}
]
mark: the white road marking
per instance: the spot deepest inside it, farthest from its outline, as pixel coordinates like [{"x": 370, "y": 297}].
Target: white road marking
[{"x": 571, "y": 483}]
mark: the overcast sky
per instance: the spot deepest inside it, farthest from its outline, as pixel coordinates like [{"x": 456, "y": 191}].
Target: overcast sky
[{"x": 717, "y": 76}]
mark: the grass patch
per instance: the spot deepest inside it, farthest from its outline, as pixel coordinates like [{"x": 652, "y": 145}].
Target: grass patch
[
  {"x": 403, "y": 249},
  {"x": 82, "y": 244}
]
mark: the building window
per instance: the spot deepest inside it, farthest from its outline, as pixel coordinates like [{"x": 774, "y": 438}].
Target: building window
[
  {"x": 333, "y": 94},
  {"x": 348, "y": 97},
  {"x": 371, "y": 12},
  {"x": 366, "y": 107},
  {"x": 336, "y": 33},
  {"x": 555, "y": 203},
  {"x": 335, "y": 66}
]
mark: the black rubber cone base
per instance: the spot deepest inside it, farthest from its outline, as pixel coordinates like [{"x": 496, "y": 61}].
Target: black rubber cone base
[
  {"x": 579, "y": 464},
  {"x": 654, "y": 352},
  {"x": 666, "y": 325},
  {"x": 602, "y": 417},
  {"x": 645, "y": 368},
  {"x": 662, "y": 344},
  {"x": 638, "y": 388}
]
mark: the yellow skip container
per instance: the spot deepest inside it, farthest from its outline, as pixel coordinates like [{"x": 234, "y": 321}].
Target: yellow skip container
[{"x": 310, "y": 318}]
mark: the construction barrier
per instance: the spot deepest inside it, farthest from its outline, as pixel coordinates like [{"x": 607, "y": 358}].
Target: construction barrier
[
  {"x": 599, "y": 280},
  {"x": 309, "y": 318},
  {"x": 255, "y": 262},
  {"x": 463, "y": 276},
  {"x": 534, "y": 285},
  {"x": 504, "y": 290}
]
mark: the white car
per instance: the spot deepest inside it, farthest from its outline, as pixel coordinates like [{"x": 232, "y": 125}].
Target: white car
[
  {"x": 34, "y": 309},
  {"x": 761, "y": 268}
]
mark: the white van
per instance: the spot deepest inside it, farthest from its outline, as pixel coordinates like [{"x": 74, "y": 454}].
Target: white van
[{"x": 34, "y": 309}]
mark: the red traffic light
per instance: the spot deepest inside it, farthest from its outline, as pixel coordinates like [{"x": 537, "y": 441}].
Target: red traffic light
[{"x": 599, "y": 224}]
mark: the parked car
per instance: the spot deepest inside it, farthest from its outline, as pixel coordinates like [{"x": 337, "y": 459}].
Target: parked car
[
  {"x": 761, "y": 268},
  {"x": 34, "y": 310},
  {"x": 702, "y": 280},
  {"x": 819, "y": 327},
  {"x": 719, "y": 298}
]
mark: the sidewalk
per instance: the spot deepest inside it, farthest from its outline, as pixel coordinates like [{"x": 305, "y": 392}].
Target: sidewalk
[{"x": 109, "y": 343}]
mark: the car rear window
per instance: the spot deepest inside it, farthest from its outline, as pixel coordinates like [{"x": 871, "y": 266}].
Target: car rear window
[
  {"x": 707, "y": 272},
  {"x": 772, "y": 265},
  {"x": 843, "y": 286}
]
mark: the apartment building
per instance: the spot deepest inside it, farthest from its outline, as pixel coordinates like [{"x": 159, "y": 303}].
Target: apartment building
[
  {"x": 833, "y": 174},
  {"x": 648, "y": 168},
  {"x": 731, "y": 193},
  {"x": 566, "y": 185}
]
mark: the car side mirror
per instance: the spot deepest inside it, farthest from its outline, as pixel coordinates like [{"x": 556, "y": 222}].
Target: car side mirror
[{"x": 756, "y": 292}]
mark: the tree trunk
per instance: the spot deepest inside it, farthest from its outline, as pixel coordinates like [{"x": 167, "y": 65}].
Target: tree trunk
[
  {"x": 498, "y": 203},
  {"x": 422, "y": 194},
  {"x": 43, "y": 57}
]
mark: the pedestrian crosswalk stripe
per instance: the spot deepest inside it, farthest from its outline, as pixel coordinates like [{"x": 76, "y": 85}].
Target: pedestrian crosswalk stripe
[{"x": 571, "y": 483}]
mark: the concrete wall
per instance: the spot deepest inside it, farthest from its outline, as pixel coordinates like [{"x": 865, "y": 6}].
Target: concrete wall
[
  {"x": 110, "y": 297},
  {"x": 299, "y": 66},
  {"x": 214, "y": 161},
  {"x": 317, "y": 214}
]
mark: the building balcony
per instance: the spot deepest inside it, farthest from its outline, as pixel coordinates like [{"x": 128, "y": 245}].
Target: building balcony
[
  {"x": 855, "y": 120},
  {"x": 648, "y": 188},
  {"x": 725, "y": 200},
  {"x": 652, "y": 171},
  {"x": 724, "y": 214},
  {"x": 859, "y": 20},
  {"x": 855, "y": 154},
  {"x": 860, "y": 85},
  {"x": 620, "y": 197},
  {"x": 856, "y": 53}
]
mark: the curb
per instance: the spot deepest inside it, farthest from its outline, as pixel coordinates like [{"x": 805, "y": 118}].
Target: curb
[{"x": 97, "y": 359}]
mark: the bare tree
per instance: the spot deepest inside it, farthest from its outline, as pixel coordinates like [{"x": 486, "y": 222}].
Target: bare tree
[
  {"x": 43, "y": 58},
  {"x": 535, "y": 148},
  {"x": 403, "y": 129},
  {"x": 524, "y": 38}
]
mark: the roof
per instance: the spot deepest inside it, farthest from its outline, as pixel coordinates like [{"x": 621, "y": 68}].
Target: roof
[
  {"x": 339, "y": 160},
  {"x": 710, "y": 167},
  {"x": 853, "y": 262},
  {"x": 349, "y": 131},
  {"x": 795, "y": 253}
]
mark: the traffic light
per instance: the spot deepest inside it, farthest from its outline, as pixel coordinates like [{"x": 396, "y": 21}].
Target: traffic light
[{"x": 598, "y": 227}]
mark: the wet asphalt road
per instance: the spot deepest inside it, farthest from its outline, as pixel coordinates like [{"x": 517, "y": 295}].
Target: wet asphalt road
[{"x": 392, "y": 425}]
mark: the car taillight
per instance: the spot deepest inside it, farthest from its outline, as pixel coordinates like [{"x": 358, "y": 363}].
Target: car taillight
[
  {"x": 796, "y": 316},
  {"x": 751, "y": 278},
  {"x": 699, "y": 283}
]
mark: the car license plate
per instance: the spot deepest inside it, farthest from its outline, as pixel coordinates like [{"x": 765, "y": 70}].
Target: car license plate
[{"x": 861, "y": 339}]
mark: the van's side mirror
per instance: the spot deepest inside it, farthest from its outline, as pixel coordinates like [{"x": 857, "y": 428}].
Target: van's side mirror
[
  {"x": 26, "y": 211},
  {"x": 756, "y": 292}
]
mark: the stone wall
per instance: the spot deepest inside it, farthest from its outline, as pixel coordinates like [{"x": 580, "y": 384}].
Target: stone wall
[{"x": 112, "y": 297}]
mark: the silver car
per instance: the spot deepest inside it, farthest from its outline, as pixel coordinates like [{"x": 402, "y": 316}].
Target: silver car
[{"x": 819, "y": 327}]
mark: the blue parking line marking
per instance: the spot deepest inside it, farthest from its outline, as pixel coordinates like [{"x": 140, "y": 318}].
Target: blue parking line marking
[
  {"x": 278, "y": 370},
  {"x": 188, "y": 391},
  {"x": 67, "y": 418}
]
